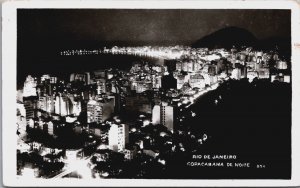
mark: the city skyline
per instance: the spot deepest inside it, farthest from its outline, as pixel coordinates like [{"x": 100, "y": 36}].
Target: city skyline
[{"x": 98, "y": 124}]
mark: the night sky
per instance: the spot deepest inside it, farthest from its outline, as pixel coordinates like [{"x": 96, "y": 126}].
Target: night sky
[
  {"x": 146, "y": 26},
  {"x": 43, "y": 33}
]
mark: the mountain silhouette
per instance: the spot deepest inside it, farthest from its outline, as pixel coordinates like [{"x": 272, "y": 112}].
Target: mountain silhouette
[{"x": 226, "y": 38}]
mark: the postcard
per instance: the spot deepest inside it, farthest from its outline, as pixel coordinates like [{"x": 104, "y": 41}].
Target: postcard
[{"x": 150, "y": 93}]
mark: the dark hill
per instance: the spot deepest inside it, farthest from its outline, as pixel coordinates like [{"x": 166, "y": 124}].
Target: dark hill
[
  {"x": 226, "y": 38},
  {"x": 280, "y": 44}
]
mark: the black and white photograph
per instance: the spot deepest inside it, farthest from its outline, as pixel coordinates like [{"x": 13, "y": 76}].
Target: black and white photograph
[{"x": 152, "y": 94}]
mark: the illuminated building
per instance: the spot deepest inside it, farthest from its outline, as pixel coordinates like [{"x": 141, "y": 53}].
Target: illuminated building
[
  {"x": 236, "y": 73},
  {"x": 207, "y": 79},
  {"x": 62, "y": 105},
  {"x": 163, "y": 114},
  {"x": 76, "y": 109},
  {"x": 287, "y": 78},
  {"x": 46, "y": 103},
  {"x": 99, "y": 111},
  {"x": 251, "y": 75},
  {"x": 53, "y": 80},
  {"x": 94, "y": 111},
  {"x": 281, "y": 65},
  {"x": 49, "y": 128},
  {"x": 156, "y": 81},
  {"x": 29, "y": 88},
  {"x": 118, "y": 137},
  {"x": 86, "y": 77},
  {"x": 130, "y": 153},
  {"x": 156, "y": 115},
  {"x": 141, "y": 86},
  {"x": 179, "y": 66},
  {"x": 180, "y": 81},
  {"x": 21, "y": 118},
  {"x": 101, "y": 86},
  {"x": 159, "y": 69},
  {"x": 242, "y": 56},
  {"x": 197, "y": 81},
  {"x": 30, "y": 106},
  {"x": 45, "y": 77}
]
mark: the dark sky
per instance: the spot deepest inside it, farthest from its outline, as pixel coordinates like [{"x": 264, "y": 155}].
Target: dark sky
[{"x": 146, "y": 26}]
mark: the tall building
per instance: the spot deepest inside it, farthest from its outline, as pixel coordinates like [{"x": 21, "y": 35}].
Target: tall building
[
  {"x": 29, "y": 88},
  {"x": 118, "y": 137},
  {"x": 100, "y": 110},
  {"x": 167, "y": 116},
  {"x": 178, "y": 66},
  {"x": 62, "y": 105},
  {"x": 94, "y": 111},
  {"x": 156, "y": 115},
  {"x": 76, "y": 108},
  {"x": 30, "y": 106},
  {"x": 48, "y": 127},
  {"x": 72, "y": 77},
  {"x": 101, "y": 86},
  {"x": 46, "y": 103},
  {"x": 87, "y": 78},
  {"x": 156, "y": 81},
  {"x": 50, "y": 104},
  {"x": 163, "y": 114}
]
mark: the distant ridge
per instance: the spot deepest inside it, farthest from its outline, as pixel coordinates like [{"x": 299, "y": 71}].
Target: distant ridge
[{"x": 226, "y": 38}]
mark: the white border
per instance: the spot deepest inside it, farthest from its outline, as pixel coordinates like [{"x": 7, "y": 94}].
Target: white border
[{"x": 9, "y": 89}]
